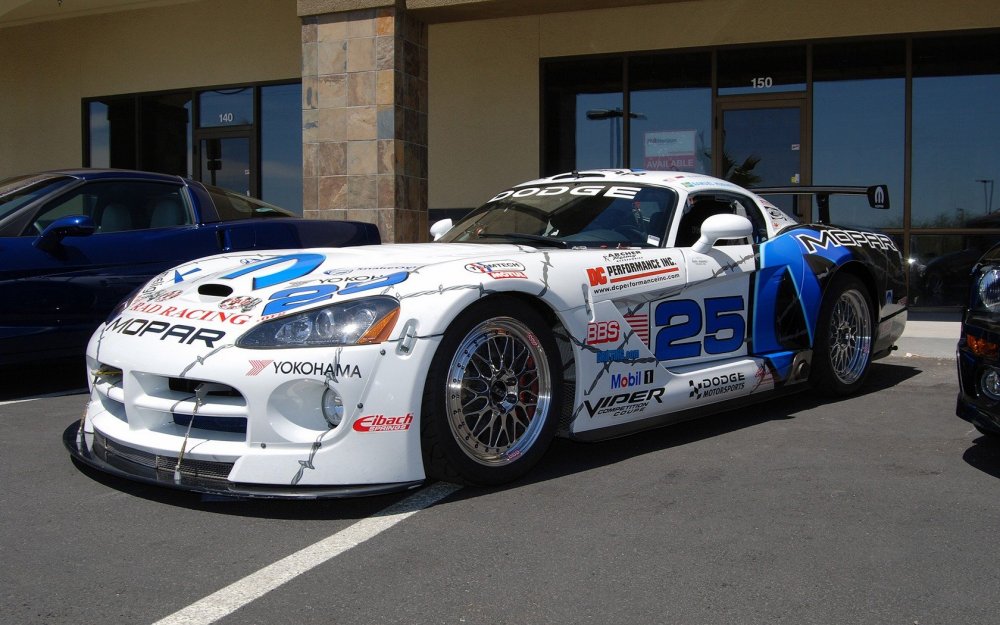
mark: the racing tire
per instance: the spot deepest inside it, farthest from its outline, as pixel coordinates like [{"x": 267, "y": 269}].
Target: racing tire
[
  {"x": 491, "y": 400},
  {"x": 844, "y": 338}
]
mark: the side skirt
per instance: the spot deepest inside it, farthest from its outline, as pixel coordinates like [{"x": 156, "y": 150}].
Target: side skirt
[{"x": 671, "y": 418}]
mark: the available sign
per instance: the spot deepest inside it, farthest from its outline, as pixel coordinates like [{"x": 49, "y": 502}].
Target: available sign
[{"x": 671, "y": 150}]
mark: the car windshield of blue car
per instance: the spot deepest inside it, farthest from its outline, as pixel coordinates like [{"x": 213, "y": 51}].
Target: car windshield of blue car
[
  {"x": 571, "y": 215},
  {"x": 21, "y": 190},
  {"x": 232, "y": 205}
]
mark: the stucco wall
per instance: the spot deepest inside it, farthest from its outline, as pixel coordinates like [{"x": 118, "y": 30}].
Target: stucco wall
[
  {"x": 49, "y": 67},
  {"x": 484, "y": 82}
]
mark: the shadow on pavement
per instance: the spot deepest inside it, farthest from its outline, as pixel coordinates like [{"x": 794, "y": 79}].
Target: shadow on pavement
[
  {"x": 984, "y": 455},
  {"x": 56, "y": 377},
  {"x": 564, "y": 457}
]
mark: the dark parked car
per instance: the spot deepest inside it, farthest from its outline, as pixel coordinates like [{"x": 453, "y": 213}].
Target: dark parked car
[
  {"x": 979, "y": 348},
  {"x": 74, "y": 243}
]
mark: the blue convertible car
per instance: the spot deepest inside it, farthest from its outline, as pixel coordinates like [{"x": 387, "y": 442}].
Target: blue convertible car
[{"x": 74, "y": 243}]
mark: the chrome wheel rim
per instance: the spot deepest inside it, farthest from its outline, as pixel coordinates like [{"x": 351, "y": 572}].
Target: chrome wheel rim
[
  {"x": 850, "y": 337},
  {"x": 499, "y": 391}
]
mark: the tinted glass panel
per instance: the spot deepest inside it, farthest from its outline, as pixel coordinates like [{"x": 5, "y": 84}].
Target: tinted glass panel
[
  {"x": 281, "y": 146},
  {"x": 118, "y": 206},
  {"x": 859, "y": 126},
  {"x": 762, "y": 70},
  {"x": 225, "y": 107},
  {"x": 940, "y": 266},
  {"x": 231, "y": 205},
  {"x": 575, "y": 213},
  {"x": 166, "y": 133},
  {"x": 112, "y": 124},
  {"x": 671, "y": 101},
  {"x": 762, "y": 146},
  {"x": 583, "y": 115},
  {"x": 226, "y": 163},
  {"x": 956, "y": 105},
  {"x": 21, "y": 190}
]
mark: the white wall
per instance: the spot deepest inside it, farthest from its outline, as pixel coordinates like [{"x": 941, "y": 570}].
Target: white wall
[{"x": 484, "y": 79}]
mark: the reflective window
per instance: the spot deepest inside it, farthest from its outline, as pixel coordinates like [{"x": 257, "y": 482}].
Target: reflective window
[
  {"x": 165, "y": 129},
  {"x": 859, "y": 126},
  {"x": 281, "y": 146},
  {"x": 225, "y": 163},
  {"x": 225, "y": 107},
  {"x": 940, "y": 266},
  {"x": 762, "y": 70},
  {"x": 956, "y": 105},
  {"x": 583, "y": 115},
  {"x": 111, "y": 126},
  {"x": 671, "y": 103}
]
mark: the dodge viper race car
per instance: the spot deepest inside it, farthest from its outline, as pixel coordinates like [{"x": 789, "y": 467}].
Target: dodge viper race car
[{"x": 586, "y": 305}]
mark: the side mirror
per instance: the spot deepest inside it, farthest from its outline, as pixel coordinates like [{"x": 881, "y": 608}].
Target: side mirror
[
  {"x": 439, "y": 228},
  {"x": 70, "y": 226},
  {"x": 722, "y": 227}
]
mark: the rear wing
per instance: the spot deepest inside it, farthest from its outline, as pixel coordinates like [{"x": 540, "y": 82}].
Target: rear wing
[{"x": 878, "y": 196}]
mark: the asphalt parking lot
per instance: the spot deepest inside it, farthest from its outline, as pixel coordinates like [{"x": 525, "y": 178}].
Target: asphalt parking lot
[{"x": 881, "y": 508}]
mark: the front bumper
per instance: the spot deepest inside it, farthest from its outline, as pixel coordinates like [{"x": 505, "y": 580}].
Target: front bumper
[
  {"x": 197, "y": 476},
  {"x": 260, "y": 430},
  {"x": 973, "y": 404}
]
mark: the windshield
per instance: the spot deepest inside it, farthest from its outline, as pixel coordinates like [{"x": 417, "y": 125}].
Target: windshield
[
  {"x": 232, "y": 206},
  {"x": 18, "y": 191},
  {"x": 580, "y": 214}
]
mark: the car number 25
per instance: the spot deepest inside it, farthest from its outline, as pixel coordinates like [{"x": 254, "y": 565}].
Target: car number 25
[{"x": 687, "y": 328}]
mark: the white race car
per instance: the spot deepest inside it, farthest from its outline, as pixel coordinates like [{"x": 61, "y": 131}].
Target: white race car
[{"x": 587, "y": 305}]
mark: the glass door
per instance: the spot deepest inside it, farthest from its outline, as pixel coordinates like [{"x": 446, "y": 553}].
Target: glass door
[
  {"x": 226, "y": 161},
  {"x": 762, "y": 144}
]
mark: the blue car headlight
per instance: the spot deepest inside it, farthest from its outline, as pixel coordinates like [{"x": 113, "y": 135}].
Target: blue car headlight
[
  {"x": 988, "y": 289},
  {"x": 357, "y": 322}
]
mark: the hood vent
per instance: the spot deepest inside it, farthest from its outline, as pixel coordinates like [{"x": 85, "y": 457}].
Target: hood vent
[{"x": 215, "y": 290}]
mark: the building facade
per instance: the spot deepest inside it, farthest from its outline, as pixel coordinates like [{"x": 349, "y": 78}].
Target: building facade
[{"x": 399, "y": 112}]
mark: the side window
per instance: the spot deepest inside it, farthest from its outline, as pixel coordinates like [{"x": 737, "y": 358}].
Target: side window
[
  {"x": 119, "y": 206},
  {"x": 233, "y": 206},
  {"x": 701, "y": 207},
  {"x": 749, "y": 209},
  {"x": 78, "y": 204}
]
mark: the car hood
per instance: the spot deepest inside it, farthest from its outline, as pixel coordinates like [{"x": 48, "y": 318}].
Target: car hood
[{"x": 244, "y": 289}]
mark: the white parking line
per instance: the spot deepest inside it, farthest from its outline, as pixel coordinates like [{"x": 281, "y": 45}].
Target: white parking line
[
  {"x": 77, "y": 391},
  {"x": 238, "y": 594}
]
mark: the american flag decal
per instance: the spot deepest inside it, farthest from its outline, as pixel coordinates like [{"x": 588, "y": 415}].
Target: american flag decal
[
  {"x": 639, "y": 323},
  {"x": 256, "y": 366}
]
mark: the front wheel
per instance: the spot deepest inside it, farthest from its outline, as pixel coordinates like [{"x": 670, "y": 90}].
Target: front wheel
[
  {"x": 844, "y": 338},
  {"x": 491, "y": 399}
]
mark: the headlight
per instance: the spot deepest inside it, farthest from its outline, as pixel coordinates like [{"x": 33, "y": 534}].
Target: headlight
[
  {"x": 358, "y": 322},
  {"x": 988, "y": 288}
]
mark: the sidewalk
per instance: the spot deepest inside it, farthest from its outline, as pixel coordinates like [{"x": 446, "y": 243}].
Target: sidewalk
[{"x": 929, "y": 335}]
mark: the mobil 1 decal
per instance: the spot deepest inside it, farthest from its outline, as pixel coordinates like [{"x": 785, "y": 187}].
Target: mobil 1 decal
[{"x": 708, "y": 326}]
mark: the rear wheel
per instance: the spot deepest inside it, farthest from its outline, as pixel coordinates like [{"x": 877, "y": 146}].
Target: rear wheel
[
  {"x": 844, "y": 337},
  {"x": 490, "y": 401}
]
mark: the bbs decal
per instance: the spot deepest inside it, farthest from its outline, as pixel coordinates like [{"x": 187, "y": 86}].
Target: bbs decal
[{"x": 685, "y": 330}]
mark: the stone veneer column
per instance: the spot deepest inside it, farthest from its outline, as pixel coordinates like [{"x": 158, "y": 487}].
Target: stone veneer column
[{"x": 364, "y": 120}]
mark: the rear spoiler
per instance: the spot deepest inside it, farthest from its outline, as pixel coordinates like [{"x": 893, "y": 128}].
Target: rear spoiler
[{"x": 878, "y": 196}]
